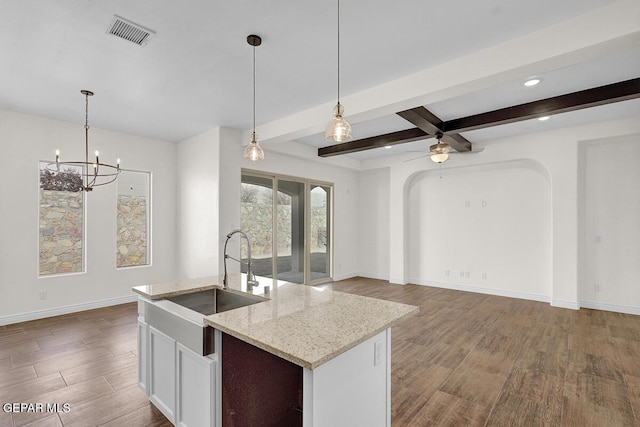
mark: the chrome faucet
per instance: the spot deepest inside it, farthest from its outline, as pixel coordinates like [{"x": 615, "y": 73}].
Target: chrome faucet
[{"x": 251, "y": 278}]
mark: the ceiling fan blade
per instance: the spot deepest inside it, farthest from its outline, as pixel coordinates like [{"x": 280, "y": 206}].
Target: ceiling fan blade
[
  {"x": 473, "y": 151},
  {"x": 427, "y": 154},
  {"x": 415, "y": 158}
]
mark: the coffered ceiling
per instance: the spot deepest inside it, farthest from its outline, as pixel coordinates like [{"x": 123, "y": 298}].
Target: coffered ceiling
[{"x": 195, "y": 72}]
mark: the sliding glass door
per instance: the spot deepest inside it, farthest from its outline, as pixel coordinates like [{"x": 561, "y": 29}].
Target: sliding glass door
[
  {"x": 290, "y": 202},
  {"x": 256, "y": 219},
  {"x": 291, "y": 219}
]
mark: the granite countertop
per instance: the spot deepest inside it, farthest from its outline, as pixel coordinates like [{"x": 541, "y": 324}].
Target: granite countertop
[
  {"x": 303, "y": 324},
  {"x": 177, "y": 287}
]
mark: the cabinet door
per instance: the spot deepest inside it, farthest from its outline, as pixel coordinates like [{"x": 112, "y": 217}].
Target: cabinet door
[
  {"x": 162, "y": 372},
  {"x": 142, "y": 356},
  {"x": 196, "y": 382}
]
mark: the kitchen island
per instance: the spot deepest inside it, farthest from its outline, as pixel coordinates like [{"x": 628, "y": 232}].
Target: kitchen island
[{"x": 333, "y": 347}]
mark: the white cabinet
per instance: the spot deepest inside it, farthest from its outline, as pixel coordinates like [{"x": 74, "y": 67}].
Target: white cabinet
[
  {"x": 179, "y": 382},
  {"x": 195, "y": 389},
  {"x": 162, "y": 372},
  {"x": 352, "y": 389}
]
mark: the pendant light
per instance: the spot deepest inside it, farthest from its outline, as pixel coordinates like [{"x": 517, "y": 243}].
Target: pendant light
[
  {"x": 253, "y": 151},
  {"x": 94, "y": 173},
  {"x": 338, "y": 129}
]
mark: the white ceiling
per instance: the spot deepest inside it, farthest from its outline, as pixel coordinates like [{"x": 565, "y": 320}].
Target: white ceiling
[{"x": 195, "y": 73}]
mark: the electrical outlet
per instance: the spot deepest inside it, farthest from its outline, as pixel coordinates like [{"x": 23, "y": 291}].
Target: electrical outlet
[
  {"x": 596, "y": 287},
  {"x": 466, "y": 275},
  {"x": 378, "y": 350},
  {"x": 484, "y": 276},
  {"x": 446, "y": 273},
  {"x": 43, "y": 294}
]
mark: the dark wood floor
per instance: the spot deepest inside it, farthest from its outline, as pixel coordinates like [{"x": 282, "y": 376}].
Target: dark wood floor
[
  {"x": 466, "y": 359},
  {"x": 87, "y": 359},
  {"x": 473, "y": 359}
]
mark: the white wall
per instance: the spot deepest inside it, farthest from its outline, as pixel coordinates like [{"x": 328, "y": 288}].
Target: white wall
[
  {"x": 27, "y": 139},
  {"x": 373, "y": 223},
  {"x": 486, "y": 227},
  {"x": 198, "y": 163},
  {"x": 610, "y": 230},
  {"x": 231, "y": 161}
]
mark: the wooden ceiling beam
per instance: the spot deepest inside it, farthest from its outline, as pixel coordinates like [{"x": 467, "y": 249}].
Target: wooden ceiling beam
[
  {"x": 616, "y": 92},
  {"x": 392, "y": 138},
  {"x": 428, "y": 124},
  {"x": 431, "y": 124}
]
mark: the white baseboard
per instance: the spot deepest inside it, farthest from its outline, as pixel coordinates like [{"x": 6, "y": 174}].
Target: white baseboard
[
  {"x": 374, "y": 276},
  {"x": 572, "y": 305},
  {"x": 57, "y": 311},
  {"x": 481, "y": 290},
  {"x": 344, "y": 276},
  {"x": 610, "y": 307}
]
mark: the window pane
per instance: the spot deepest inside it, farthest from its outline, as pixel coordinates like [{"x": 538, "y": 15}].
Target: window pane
[
  {"x": 61, "y": 229},
  {"x": 133, "y": 219},
  {"x": 320, "y": 232}
]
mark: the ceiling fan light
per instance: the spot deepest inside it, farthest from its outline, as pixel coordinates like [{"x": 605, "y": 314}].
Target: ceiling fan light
[
  {"x": 439, "y": 157},
  {"x": 439, "y": 152},
  {"x": 253, "y": 151},
  {"x": 338, "y": 129}
]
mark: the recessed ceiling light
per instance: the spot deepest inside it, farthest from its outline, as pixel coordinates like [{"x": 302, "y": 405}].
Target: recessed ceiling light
[
  {"x": 544, "y": 118},
  {"x": 387, "y": 147},
  {"x": 532, "y": 82}
]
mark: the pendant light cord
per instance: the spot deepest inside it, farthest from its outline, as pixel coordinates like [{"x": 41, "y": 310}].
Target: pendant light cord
[
  {"x": 338, "y": 50},
  {"x": 254, "y": 92},
  {"x": 253, "y": 151}
]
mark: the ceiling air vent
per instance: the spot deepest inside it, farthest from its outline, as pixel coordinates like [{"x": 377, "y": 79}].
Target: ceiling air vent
[{"x": 129, "y": 31}]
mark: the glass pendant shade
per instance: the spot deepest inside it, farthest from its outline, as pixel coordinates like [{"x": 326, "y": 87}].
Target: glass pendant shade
[
  {"x": 253, "y": 151},
  {"x": 338, "y": 129}
]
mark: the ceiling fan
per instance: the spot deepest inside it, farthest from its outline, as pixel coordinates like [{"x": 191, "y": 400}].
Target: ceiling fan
[{"x": 440, "y": 151}]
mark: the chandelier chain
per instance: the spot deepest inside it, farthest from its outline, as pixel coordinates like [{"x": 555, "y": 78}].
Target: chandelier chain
[
  {"x": 86, "y": 110},
  {"x": 86, "y": 138}
]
